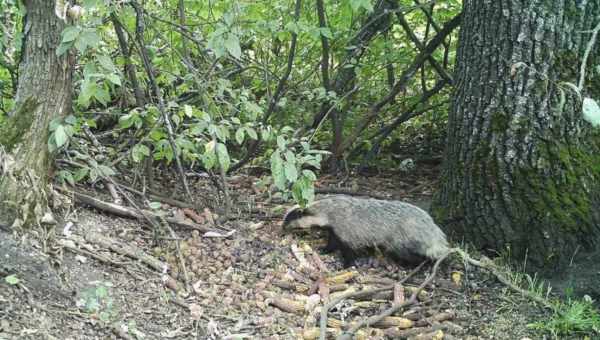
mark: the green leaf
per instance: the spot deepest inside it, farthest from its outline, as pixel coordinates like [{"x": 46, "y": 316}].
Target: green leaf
[
  {"x": 102, "y": 96},
  {"x": 126, "y": 121},
  {"x": 290, "y": 171},
  {"x": 303, "y": 191},
  {"x": 106, "y": 63},
  {"x": 358, "y": 4},
  {"x": 80, "y": 174},
  {"x": 12, "y": 279},
  {"x": 309, "y": 174},
  {"x": 106, "y": 171},
  {"x": 292, "y": 27},
  {"x": 277, "y": 170},
  {"x": 87, "y": 38},
  {"x": 232, "y": 44},
  {"x": 71, "y": 119},
  {"x": 266, "y": 135},
  {"x": 175, "y": 119},
  {"x": 93, "y": 174},
  {"x": 188, "y": 111},
  {"x": 88, "y": 90},
  {"x": 70, "y": 33},
  {"x": 591, "y": 111},
  {"x": 155, "y": 205},
  {"x": 63, "y": 48},
  {"x": 114, "y": 78},
  {"x": 239, "y": 135},
  {"x": 290, "y": 157},
  {"x": 209, "y": 158},
  {"x": 60, "y": 136},
  {"x": 326, "y": 32},
  {"x": 281, "y": 142},
  {"x": 66, "y": 176},
  {"x": 223, "y": 156},
  {"x": 251, "y": 132}
]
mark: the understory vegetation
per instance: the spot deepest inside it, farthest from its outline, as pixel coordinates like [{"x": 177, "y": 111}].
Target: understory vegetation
[{"x": 239, "y": 109}]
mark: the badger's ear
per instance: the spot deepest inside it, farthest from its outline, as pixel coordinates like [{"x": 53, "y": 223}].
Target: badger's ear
[{"x": 293, "y": 214}]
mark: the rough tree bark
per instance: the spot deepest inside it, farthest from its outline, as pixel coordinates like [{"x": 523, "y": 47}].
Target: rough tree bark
[
  {"x": 522, "y": 168},
  {"x": 43, "y": 93}
]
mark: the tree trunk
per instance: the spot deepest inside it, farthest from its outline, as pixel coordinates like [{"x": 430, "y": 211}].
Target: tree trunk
[
  {"x": 522, "y": 168},
  {"x": 43, "y": 94}
]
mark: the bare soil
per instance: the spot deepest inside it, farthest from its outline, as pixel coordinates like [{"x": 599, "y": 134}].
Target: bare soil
[{"x": 234, "y": 283}]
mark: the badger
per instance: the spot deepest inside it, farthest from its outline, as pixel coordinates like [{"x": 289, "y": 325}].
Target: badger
[{"x": 357, "y": 226}]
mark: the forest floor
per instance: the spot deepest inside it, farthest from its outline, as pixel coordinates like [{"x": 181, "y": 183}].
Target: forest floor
[{"x": 253, "y": 284}]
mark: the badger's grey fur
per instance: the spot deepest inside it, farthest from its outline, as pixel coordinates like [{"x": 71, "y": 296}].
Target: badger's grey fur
[{"x": 398, "y": 229}]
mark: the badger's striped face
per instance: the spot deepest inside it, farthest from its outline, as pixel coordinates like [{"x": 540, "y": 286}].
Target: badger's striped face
[{"x": 303, "y": 219}]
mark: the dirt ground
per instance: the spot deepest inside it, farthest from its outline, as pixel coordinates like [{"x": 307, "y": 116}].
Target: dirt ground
[{"x": 252, "y": 284}]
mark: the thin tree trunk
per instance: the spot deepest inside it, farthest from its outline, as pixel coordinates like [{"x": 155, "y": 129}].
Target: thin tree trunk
[
  {"x": 129, "y": 67},
  {"x": 43, "y": 94},
  {"x": 521, "y": 171}
]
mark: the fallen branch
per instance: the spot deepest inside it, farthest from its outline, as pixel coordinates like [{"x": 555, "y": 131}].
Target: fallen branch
[
  {"x": 127, "y": 250},
  {"x": 377, "y": 318},
  {"x": 488, "y": 265},
  {"x": 122, "y": 211},
  {"x": 155, "y": 197}
]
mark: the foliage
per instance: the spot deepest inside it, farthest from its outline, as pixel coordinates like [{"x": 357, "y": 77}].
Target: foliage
[
  {"x": 97, "y": 301},
  {"x": 570, "y": 316},
  {"x": 12, "y": 280},
  {"x": 573, "y": 316},
  {"x": 221, "y": 79}
]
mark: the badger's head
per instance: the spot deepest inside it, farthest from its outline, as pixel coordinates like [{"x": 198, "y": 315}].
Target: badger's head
[{"x": 297, "y": 219}]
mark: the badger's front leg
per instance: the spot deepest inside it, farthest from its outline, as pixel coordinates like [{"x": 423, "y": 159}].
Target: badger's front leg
[
  {"x": 349, "y": 256},
  {"x": 333, "y": 243}
]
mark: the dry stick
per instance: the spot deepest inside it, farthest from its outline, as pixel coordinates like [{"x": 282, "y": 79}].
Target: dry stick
[
  {"x": 129, "y": 66},
  {"x": 177, "y": 241},
  {"x": 363, "y": 293},
  {"x": 420, "y": 46},
  {"x": 413, "y": 298},
  {"x": 161, "y": 105},
  {"x": 169, "y": 201},
  {"x": 125, "y": 249},
  {"x": 125, "y": 212},
  {"x": 74, "y": 249},
  {"x": 324, "y": 46},
  {"x": 588, "y": 49},
  {"x": 223, "y": 176},
  {"x": 156, "y": 226},
  {"x": 491, "y": 267},
  {"x": 181, "y": 13},
  {"x": 333, "y": 106},
  {"x": 111, "y": 188},
  {"x": 408, "y": 73}
]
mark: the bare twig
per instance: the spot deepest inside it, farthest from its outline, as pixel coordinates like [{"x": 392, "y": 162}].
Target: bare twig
[
  {"x": 157, "y": 93},
  {"x": 402, "y": 81},
  {"x": 588, "y": 49},
  {"x": 413, "y": 299}
]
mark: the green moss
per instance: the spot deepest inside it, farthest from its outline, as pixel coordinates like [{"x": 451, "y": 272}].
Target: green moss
[
  {"x": 566, "y": 64},
  {"x": 562, "y": 199},
  {"x": 499, "y": 122},
  {"x": 13, "y": 129}
]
